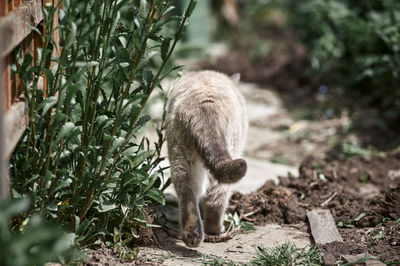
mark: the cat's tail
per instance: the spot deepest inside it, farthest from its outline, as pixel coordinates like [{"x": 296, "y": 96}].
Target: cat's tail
[{"x": 209, "y": 137}]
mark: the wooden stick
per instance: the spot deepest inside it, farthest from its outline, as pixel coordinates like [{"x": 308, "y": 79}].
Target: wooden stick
[{"x": 328, "y": 200}]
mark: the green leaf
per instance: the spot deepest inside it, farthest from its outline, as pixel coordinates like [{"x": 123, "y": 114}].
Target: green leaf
[
  {"x": 71, "y": 92},
  {"x": 52, "y": 207},
  {"x": 147, "y": 76},
  {"x": 77, "y": 222},
  {"x": 117, "y": 235},
  {"x": 27, "y": 61},
  {"x": 165, "y": 48},
  {"x": 65, "y": 131},
  {"x": 106, "y": 205},
  {"x": 141, "y": 157},
  {"x": 359, "y": 217},
  {"x": 190, "y": 8},
  {"x": 156, "y": 195},
  {"x": 71, "y": 36},
  {"x": 50, "y": 78},
  {"x": 84, "y": 225},
  {"x": 118, "y": 141},
  {"x": 48, "y": 103},
  {"x": 151, "y": 180},
  {"x": 87, "y": 63},
  {"x": 142, "y": 121}
]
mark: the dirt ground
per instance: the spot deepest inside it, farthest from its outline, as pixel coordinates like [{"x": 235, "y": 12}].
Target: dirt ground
[{"x": 363, "y": 195}]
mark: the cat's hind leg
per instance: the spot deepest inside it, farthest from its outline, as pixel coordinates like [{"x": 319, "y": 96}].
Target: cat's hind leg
[
  {"x": 189, "y": 185},
  {"x": 214, "y": 205}
]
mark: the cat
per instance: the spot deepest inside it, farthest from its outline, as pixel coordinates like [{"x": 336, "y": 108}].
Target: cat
[{"x": 206, "y": 128}]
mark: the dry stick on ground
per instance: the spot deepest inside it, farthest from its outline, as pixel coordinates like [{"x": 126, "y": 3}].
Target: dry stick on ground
[
  {"x": 334, "y": 173},
  {"x": 221, "y": 237},
  {"x": 328, "y": 200},
  {"x": 247, "y": 216}
]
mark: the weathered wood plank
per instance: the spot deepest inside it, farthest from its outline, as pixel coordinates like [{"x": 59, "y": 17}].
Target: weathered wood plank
[
  {"x": 3, "y": 8},
  {"x": 15, "y": 26},
  {"x": 15, "y": 122},
  {"x": 323, "y": 228},
  {"x": 4, "y": 182}
]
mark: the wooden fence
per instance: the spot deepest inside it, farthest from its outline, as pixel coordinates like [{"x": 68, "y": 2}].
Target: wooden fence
[{"x": 16, "y": 19}]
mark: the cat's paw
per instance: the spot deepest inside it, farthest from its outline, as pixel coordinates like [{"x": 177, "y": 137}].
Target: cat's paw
[{"x": 192, "y": 236}]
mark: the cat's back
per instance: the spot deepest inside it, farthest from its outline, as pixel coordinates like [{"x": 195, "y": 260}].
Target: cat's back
[
  {"x": 206, "y": 87},
  {"x": 207, "y": 104}
]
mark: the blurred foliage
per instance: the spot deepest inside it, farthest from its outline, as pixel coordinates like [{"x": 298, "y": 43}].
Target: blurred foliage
[
  {"x": 346, "y": 149},
  {"x": 81, "y": 160},
  {"x": 353, "y": 44},
  {"x": 199, "y": 32},
  {"x": 36, "y": 242}
]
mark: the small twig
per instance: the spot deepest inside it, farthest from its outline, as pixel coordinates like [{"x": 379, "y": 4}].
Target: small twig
[
  {"x": 246, "y": 216},
  {"x": 249, "y": 214},
  {"x": 221, "y": 237},
  {"x": 335, "y": 176},
  {"x": 315, "y": 174},
  {"x": 329, "y": 199}
]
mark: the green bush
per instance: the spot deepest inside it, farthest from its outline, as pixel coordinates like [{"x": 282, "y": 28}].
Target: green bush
[
  {"x": 353, "y": 44},
  {"x": 80, "y": 160}
]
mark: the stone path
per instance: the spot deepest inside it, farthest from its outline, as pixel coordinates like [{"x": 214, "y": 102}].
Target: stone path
[{"x": 240, "y": 249}]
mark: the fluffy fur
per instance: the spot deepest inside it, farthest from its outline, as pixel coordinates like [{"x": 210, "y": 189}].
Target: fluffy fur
[{"x": 206, "y": 130}]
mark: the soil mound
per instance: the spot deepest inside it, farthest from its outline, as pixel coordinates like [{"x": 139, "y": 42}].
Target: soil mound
[
  {"x": 270, "y": 204},
  {"x": 363, "y": 195}
]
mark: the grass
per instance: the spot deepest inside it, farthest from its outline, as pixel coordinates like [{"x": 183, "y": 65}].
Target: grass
[
  {"x": 351, "y": 223},
  {"x": 216, "y": 261},
  {"x": 377, "y": 235},
  {"x": 287, "y": 254}
]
